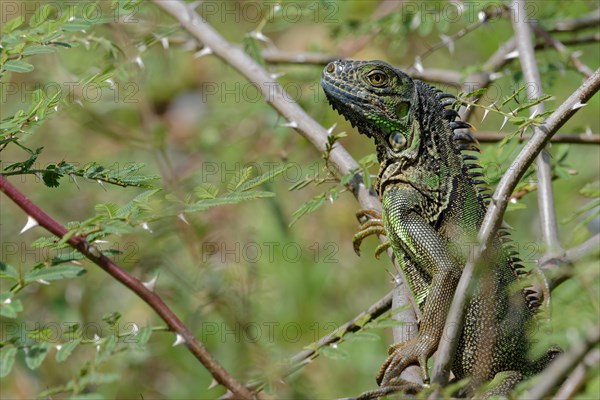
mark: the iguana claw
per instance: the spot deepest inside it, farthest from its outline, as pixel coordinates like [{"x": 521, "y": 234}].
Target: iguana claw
[
  {"x": 415, "y": 351},
  {"x": 372, "y": 226}
]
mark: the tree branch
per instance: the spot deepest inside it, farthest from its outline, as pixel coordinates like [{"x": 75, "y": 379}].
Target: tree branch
[
  {"x": 563, "y": 364},
  {"x": 571, "y": 138},
  {"x": 575, "y": 24},
  {"x": 572, "y": 384},
  {"x": 355, "y": 324},
  {"x": 534, "y": 90},
  {"x": 563, "y": 51},
  {"x": 135, "y": 285}
]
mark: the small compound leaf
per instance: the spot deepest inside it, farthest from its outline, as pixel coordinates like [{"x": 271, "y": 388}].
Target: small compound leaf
[
  {"x": 36, "y": 354},
  {"x": 7, "y": 360},
  {"x": 54, "y": 273},
  {"x": 18, "y": 66},
  {"x": 9, "y": 307},
  {"x": 7, "y": 271},
  {"x": 334, "y": 353},
  {"x": 66, "y": 349},
  {"x": 143, "y": 335}
]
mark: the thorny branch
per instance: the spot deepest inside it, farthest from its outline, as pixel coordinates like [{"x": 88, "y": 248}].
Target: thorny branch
[
  {"x": 534, "y": 90},
  {"x": 564, "y": 364},
  {"x": 135, "y": 285}
]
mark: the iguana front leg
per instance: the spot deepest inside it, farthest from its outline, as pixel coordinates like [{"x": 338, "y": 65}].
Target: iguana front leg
[{"x": 412, "y": 235}]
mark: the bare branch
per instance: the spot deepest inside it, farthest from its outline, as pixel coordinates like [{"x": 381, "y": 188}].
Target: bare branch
[
  {"x": 484, "y": 16},
  {"x": 562, "y": 50},
  {"x": 574, "y": 24},
  {"x": 274, "y": 56},
  {"x": 577, "y": 253},
  {"x": 558, "y": 269},
  {"x": 534, "y": 91},
  {"x": 571, "y": 138},
  {"x": 577, "y": 378},
  {"x": 135, "y": 285},
  {"x": 564, "y": 364},
  {"x": 355, "y": 324}
]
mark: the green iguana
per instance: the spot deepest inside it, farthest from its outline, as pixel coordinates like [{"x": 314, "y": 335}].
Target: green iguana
[{"x": 433, "y": 205}]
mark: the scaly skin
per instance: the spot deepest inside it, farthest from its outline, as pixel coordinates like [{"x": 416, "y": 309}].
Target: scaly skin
[{"x": 433, "y": 208}]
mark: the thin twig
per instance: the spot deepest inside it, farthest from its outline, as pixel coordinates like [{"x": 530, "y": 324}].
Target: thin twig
[
  {"x": 563, "y": 364},
  {"x": 275, "y": 56},
  {"x": 534, "y": 90},
  {"x": 588, "y": 39},
  {"x": 371, "y": 313},
  {"x": 583, "y": 249},
  {"x": 577, "y": 378},
  {"x": 562, "y": 50},
  {"x": 590, "y": 20},
  {"x": 483, "y": 17},
  {"x": 135, "y": 285},
  {"x": 560, "y": 268},
  {"x": 570, "y": 138},
  {"x": 496, "y": 209}
]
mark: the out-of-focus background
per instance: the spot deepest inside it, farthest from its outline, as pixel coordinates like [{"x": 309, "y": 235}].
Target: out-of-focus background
[{"x": 137, "y": 88}]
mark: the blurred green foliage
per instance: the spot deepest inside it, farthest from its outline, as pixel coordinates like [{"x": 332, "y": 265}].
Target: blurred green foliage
[{"x": 111, "y": 118}]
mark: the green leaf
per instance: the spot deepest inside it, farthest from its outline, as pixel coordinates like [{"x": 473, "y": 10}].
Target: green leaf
[
  {"x": 7, "y": 360},
  {"x": 107, "y": 210},
  {"x": 239, "y": 178},
  {"x": 40, "y": 15},
  {"x": 334, "y": 353},
  {"x": 591, "y": 189},
  {"x": 143, "y": 335},
  {"x": 18, "y": 66},
  {"x": 54, "y": 273},
  {"x": 7, "y": 271},
  {"x": 51, "y": 176},
  {"x": 308, "y": 207},
  {"x": 206, "y": 191},
  {"x": 107, "y": 349},
  {"x": 362, "y": 336},
  {"x": 267, "y": 176},
  {"x": 13, "y": 24},
  {"x": 87, "y": 396},
  {"x": 36, "y": 354},
  {"x": 37, "y": 49},
  {"x": 66, "y": 349},
  {"x": 385, "y": 323},
  {"x": 77, "y": 25},
  {"x": 8, "y": 306},
  {"x": 252, "y": 47},
  {"x": 111, "y": 318},
  {"x": 230, "y": 198}
]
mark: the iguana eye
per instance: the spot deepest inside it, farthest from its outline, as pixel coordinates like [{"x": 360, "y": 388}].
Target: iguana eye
[
  {"x": 377, "y": 78},
  {"x": 397, "y": 141}
]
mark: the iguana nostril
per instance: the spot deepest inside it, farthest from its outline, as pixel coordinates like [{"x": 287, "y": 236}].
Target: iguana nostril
[{"x": 330, "y": 67}]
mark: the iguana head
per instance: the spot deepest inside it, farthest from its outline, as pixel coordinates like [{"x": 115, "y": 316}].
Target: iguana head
[
  {"x": 376, "y": 98},
  {"x": 417, "y": 138}
]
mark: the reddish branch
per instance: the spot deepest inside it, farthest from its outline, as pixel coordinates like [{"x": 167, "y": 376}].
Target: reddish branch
[{"x": 134, "y": 284}]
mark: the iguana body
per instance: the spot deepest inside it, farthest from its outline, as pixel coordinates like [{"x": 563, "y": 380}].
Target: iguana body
[{"x": 433, "y": 208}]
